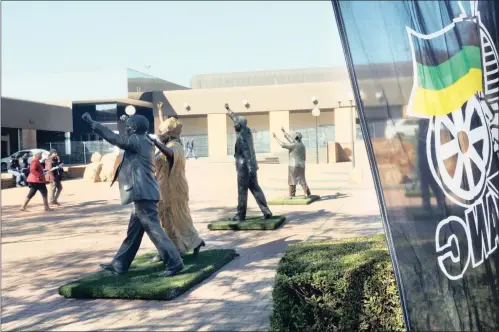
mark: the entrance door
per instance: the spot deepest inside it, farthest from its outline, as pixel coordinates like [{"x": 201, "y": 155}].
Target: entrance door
[{"x": 5, "y": 146}]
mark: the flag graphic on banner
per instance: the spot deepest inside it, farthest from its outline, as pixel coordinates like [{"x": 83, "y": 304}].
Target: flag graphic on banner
[
  {"x": 438, "y": 65},
  {"x": 447, "y": 67}
]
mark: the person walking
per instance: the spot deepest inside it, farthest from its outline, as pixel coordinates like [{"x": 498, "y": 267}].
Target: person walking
[
  {"x": 187, "y": 148},
  {"x": 36, "y": 182},
  {"x": 54, "y": 177},
  {"x": 190, "y": 150}
]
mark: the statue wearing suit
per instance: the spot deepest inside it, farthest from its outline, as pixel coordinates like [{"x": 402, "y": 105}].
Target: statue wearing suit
[
  {"x": 138, "y": 185},
  {"x": 246, "y": 168}
]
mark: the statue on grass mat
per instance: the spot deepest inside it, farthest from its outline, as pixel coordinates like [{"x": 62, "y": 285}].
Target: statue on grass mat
[
  {"x": 139, "y": 186},
  {"x": 246, "y": 168},
  {"x": 297, "y": 159}
]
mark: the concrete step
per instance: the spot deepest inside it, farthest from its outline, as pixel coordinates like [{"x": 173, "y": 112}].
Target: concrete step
[{"x": 268, "y": 160}]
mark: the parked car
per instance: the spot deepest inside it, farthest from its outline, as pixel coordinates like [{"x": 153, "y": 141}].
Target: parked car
[
  {"x": 5, "y": 162},
  {"x": 401, "y": 127}
]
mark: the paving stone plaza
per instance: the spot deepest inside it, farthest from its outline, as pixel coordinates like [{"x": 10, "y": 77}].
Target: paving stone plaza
[{"x": 44, "y": 250}]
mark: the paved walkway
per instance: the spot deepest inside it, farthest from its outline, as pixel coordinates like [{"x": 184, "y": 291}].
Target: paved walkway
[{"x": 41, "y": 251}]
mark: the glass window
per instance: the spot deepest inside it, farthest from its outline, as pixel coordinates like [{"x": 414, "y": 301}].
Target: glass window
[
  {"x": 326, "y": 133},
  {"x": 200, "y": 144},
  {"x": 261, "y": 141}
]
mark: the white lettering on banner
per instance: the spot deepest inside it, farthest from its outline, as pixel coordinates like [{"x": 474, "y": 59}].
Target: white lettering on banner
[
  {"x": 481, "y": 236},
  {"x": 462, "y": 150}
]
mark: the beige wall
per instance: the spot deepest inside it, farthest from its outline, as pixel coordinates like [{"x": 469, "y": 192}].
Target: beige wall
[
  {"x": 278, "y": 120},
  {"x": 261, "y": 98},
  {"x": 217, "y": 135},
  {"x": 17, "y": 113},
  {"x": 299, "y": 120},
  {"x": 28, "y": 137},
  {"x": 282, "y": 97},
  {"x": 255, "y": 122},
  {"x": 194, "y": 126},
  {"x": 343, "y": 129}
]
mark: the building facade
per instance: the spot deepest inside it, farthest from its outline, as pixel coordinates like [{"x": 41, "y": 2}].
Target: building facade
[
  {"x": 26, "y": 124},
  {"x": 270, "y": 100},
  {"x": 284, "y": 99}
]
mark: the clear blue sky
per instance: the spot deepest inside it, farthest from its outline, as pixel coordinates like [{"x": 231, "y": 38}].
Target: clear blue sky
[{"x": 45, "y": 40}]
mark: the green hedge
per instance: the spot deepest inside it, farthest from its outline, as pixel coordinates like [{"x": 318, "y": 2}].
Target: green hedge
[{"x": 345, "y": 285}]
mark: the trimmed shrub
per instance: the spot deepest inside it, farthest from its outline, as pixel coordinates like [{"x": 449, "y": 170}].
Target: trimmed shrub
[{"x": 345, "y": 285}]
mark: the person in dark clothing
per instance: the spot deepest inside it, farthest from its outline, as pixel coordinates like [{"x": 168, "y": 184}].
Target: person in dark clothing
[
  {"x": 54, "y": 177},
  {"x": 16, "y": 171},
  {"x": 426, "y": 178},
  {"x": 246, "y": 167},
  {"x": 24, "y": 163},
  {"x": 138, "y": 185},
  {"x": 36, "y": 182}
]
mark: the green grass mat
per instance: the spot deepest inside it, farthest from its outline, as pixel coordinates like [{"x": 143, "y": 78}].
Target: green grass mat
[
  {"x": 142, "y": 282},
  {"x": 297, "y": 200},
  {"x": 250, "y": 224}
]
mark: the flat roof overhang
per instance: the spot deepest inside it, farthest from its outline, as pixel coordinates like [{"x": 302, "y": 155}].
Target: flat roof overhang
[{"x": 119, "y": 101}]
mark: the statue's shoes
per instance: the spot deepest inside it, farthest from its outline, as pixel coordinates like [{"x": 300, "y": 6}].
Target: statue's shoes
[
  {"x": 172, "y": 271},
  {"x": 236, "y": 218},
  {"x": 196, "y": 250},
  {"x": 288, "y": 198},
  {"x": 109, "y": 267},
  {"x": 267, "y": 216}
]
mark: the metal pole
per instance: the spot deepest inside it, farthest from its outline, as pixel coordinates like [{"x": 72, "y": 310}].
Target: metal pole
[
  {"x": 50, "y": 144},
  {"x": 316, "y": 140},
  {"x": 353, "y": 133},
  {"x": 84, "y": 154}
]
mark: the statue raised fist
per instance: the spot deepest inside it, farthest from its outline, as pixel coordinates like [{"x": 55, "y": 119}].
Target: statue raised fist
[
  {"x": 227, "y": 107},
  {"x": 87, "y": 118}
]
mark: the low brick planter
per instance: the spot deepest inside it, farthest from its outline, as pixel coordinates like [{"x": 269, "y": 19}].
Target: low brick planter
[
  {"x": 70, "y": 173},
  {"x": 8, "y": 183}
]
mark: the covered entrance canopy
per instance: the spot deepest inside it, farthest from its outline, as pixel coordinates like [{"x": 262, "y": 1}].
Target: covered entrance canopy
[{"x": 107, "y": 111}]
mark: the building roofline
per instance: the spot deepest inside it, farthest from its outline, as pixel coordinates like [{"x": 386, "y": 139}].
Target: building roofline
[{"x": 123, "y": 101}]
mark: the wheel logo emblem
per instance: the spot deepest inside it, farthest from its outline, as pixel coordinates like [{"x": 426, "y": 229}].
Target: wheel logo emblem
[
  {"x": 459, "y": 96},
  {"x": 459, "y": 152}
]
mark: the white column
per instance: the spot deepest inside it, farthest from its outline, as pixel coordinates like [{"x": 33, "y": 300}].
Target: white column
[{"x": 67, "y": 142}]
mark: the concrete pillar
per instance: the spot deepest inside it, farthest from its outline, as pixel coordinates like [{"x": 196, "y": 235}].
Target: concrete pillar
[
  {"x": 278, "y": 120},
  {"x": 217, "y": 135},
  {"x": 343, "y": 125},
  {"x": 67, "y": 142},
  {"x": 28, "y": 138},
  {"x": 344, "y": 128}
]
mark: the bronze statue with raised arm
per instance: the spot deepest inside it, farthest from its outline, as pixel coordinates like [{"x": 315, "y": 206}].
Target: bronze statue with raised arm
[
  {"x": 297, "y": 159},
  {"x": 174, "y": 212},
  {"x": 138, "y": 185},
  {"x": 246, "y": 167}
]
